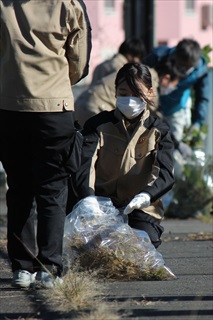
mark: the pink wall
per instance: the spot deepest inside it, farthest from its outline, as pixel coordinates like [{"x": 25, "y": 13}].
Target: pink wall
[
  {"x": 167, "y": 20},
  {"x": 173, "y": 22},
  {"x": 107, "y": 30},
  {"x": 192, "y": 24}
]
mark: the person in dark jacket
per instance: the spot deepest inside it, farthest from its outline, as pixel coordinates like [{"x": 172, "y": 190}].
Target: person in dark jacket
[
  {"x": 128, "y": 154},
  {"x": 175, "y": 99}
]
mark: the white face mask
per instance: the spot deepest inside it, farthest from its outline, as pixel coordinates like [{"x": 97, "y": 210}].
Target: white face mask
[
  {"x": 130, "y": 106},
  {"x": 166, "y": 90}
]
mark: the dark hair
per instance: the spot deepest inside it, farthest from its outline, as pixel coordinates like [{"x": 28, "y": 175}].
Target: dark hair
[
  {"x": 135, "y": 74},
  {"x": 167, "y": 66},
  {"x": 133, "y": 46},
  {"x": 187, "y": 52}
]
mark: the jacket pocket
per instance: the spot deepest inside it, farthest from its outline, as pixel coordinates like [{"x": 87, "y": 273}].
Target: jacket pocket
[{"x": 143, "y": 149}]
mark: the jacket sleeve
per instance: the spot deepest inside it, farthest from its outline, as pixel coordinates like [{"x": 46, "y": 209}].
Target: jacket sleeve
[
  {"x": 84, "y": 179},
  {"x": 79, "y": 45},
  {"x": 201, "y": 89},
  {"x": 164, "y": 162}
]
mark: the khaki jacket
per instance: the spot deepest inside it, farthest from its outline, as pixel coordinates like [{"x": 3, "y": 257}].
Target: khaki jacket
[
  {"x": 108, "y": 66},
  {"x": 45, "y": 48},
  {"x": 100, "y": 96},
  {"x": 120, "y": 163}
]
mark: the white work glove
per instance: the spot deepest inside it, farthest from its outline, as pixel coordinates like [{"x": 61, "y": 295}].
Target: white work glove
[
  {"x": 141, "y": 200},
  {"x": 92, "y": 203}
]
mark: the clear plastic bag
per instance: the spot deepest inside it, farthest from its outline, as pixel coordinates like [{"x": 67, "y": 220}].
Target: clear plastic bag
[{"x": 99, "y": 239}]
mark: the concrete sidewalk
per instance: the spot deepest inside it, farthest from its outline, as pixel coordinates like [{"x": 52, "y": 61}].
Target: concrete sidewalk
[
  {"x": 187, "y": 251},
  {"x": 190, "y": 296}
]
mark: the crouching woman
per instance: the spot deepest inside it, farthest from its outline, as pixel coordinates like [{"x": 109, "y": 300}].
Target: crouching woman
[{"x": 128, "y": 154}]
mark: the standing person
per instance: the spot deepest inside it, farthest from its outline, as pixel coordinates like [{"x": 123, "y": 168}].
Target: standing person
[
  {"x": 192, "y": 68},
  {"x": 45, "y": 48},
  {"x": 128, "y": 154}
]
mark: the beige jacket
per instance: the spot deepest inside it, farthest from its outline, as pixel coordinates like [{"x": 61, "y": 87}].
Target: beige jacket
[
  {"x": 119, "y": 161},
  {"x": 45, "y": 48},
  {"x": 98, "y": 97},
  {"x": 108, "y": 66}
]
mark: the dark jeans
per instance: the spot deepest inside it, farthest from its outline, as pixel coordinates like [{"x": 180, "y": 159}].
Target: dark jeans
[
  {"x": 34, "y": 151},
  {"x": 142, "y": 221}
]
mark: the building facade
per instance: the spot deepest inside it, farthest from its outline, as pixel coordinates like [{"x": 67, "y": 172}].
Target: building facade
[
  {"x": 173, "y": 20},
  {"x": 179, "y": 19},
  {"x": 106, "y": 17}
]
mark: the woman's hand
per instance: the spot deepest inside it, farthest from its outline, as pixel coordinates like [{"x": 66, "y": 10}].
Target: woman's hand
[{"x": 140, "y": 201}]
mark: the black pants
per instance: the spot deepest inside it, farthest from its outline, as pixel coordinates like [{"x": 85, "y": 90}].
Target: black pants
[
  {"x": 142, "y": 221},
  {"x": 34, "y": 151}
]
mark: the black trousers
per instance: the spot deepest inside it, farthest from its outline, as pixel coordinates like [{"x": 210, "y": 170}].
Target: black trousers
[
  {"x": 35, "y": 148},
  {"x": 143, "y": 221}
]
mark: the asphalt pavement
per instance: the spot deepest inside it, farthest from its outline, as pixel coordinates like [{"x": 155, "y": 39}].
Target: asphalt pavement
[{"x": 187, "y": 251}]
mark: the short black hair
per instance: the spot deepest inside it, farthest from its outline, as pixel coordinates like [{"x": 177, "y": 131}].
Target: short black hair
[
  {"x": 187, "y": 53},
  {"x": 167, "y": 66},
  {"x": 134, "y": 46}
]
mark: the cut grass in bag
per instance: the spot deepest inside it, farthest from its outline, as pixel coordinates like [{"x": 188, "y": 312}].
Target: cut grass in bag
[{"x": 111, "y": 247}]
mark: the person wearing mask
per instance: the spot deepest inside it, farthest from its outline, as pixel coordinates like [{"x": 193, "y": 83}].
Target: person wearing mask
[
  {"x": 40, "y": 61},
  {"x": 174, "y": 101},
  {"x": 128, "y": 154},
  {"x": 100, "y": 95}
]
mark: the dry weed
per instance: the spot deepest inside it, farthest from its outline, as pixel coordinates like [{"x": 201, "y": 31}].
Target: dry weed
[
  {"x": 78, "y": 291},
  {"x": 122, "y": 263}
]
